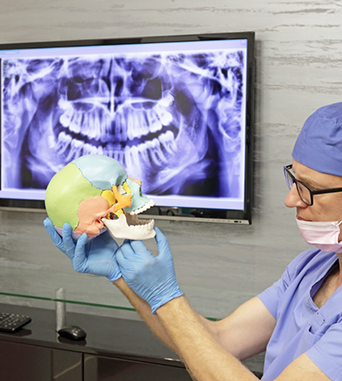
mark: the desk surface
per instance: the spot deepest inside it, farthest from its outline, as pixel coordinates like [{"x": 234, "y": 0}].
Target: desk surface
[{"x": 107, "y": 336}]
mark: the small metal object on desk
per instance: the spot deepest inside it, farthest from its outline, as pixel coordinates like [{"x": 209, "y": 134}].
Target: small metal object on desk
[
  {"x": 60, "y": 309},
  {"x": 69, "y": 332}
]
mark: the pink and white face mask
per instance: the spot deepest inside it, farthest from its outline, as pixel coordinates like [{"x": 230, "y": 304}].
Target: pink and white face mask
[{"x": 323, "y": 235}]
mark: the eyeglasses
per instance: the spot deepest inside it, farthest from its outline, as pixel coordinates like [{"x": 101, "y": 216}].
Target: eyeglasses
[{"x": 305, "y": 193}]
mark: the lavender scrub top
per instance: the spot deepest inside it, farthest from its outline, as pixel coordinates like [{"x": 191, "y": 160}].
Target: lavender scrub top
[{"x": 301, "y": 326}]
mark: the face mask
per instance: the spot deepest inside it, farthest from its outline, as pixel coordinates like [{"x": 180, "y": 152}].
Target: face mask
[{"x": 323, "y": 235}]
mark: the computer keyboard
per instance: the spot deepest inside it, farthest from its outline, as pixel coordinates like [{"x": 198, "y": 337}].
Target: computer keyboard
[{"x": 10, "y": 322}]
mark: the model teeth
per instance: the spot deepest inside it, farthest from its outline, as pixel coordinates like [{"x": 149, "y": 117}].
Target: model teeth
[
  {"x": 128, "y": 226},
  {"x": 144, "y": 208},
  {"x": 134, "y": 222},
  {"x": 148, "y": 225}
]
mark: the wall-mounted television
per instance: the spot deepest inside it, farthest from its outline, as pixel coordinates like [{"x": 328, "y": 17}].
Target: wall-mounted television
[{"x": 175, "y": 111}]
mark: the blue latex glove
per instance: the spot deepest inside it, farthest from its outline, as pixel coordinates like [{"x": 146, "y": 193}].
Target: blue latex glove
[
  {"x": 95, "y": 257},
  {"x": 152, "y": 278}
]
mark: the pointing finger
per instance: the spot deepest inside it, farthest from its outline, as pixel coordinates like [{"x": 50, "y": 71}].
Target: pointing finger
[
  {"x": 80, "y": 252},
  {"x": 68, "y": 241}
]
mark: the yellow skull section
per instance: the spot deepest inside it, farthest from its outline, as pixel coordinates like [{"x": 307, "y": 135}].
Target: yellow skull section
[{"x": 117, "y": 200}]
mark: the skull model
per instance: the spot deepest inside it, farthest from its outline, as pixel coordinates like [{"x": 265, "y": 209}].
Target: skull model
[{"x": 93, "y": 193}]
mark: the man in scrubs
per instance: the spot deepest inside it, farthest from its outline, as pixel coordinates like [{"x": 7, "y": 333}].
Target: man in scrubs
[{"x": 298, "y": 320}]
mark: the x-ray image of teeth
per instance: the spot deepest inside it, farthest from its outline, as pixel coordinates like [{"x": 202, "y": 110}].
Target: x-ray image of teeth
[{"x": 172, "y": 120}]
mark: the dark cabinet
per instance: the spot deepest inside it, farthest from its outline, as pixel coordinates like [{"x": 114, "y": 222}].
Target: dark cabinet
[
  {"x": 100, "y": 368},
  {"x": 114, "y": 349},
  {"x": 20, "y": 362}
]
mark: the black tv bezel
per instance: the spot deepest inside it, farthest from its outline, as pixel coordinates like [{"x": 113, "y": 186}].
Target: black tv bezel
[{"x": 201, "y": 215}]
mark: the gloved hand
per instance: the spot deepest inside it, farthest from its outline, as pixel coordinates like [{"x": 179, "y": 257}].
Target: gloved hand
[
  {"x": 95, "y": 257},
  {"x": 152, "y": 278}
]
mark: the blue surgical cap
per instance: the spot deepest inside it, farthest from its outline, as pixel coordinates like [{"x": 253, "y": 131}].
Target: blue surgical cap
[{"x": 319, "y": 144}]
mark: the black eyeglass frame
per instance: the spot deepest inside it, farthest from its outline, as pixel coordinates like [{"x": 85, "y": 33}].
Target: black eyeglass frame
[{"x": 312, "y": 192}]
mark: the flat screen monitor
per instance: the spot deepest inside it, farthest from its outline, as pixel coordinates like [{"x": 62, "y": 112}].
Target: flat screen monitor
[{"x": 175, "y": 111}]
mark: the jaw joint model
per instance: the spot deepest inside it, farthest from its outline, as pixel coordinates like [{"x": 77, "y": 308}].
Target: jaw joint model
[{"x": 122, "y": 225}]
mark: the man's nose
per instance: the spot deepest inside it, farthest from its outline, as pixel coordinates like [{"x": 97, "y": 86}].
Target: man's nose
[{"x": 293, "y": 200}]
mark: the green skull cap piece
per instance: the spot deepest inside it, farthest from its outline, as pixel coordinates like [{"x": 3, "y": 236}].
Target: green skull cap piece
[{"x": 93, "y": 192}]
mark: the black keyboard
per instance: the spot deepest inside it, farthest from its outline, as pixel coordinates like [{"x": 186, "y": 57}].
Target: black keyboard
[{"x": 12, "y": 322}]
